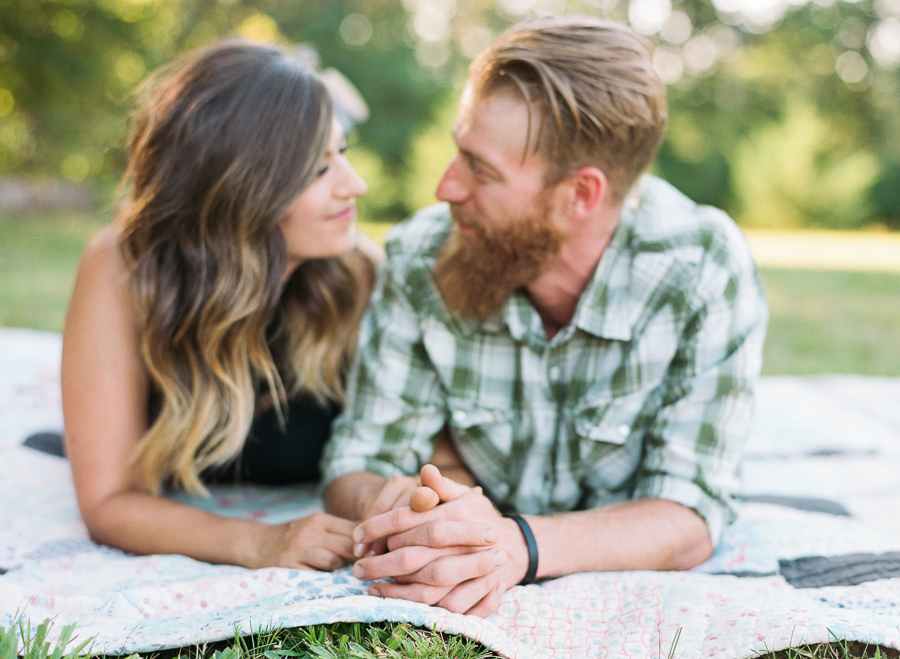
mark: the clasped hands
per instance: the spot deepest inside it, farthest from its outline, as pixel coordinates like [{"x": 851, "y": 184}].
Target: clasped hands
[{"x": 448, "y": 547}]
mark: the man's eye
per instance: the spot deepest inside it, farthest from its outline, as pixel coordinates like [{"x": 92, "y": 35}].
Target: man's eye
[
  {"x": 479, "y": 172},
  {"x": 475, "y": 167}
]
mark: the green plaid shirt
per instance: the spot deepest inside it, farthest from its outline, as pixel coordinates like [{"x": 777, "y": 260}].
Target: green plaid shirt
[{"x": 647, "y": 393}]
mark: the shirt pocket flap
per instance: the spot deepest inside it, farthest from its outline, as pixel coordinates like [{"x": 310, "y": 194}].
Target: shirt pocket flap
[
  {"x": 468, "y": 416},
  {"x": 607, "y": 419}
]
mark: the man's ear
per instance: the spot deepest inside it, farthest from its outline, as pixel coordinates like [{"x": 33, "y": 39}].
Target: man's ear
[{"x": 589, "y": 187}]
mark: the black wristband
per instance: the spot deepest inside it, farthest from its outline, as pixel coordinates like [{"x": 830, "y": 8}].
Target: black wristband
[{"x": 531, "y": 544}]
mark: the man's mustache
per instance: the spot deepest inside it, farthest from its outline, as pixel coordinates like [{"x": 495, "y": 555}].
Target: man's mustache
[{"x": 463, "y": 219}]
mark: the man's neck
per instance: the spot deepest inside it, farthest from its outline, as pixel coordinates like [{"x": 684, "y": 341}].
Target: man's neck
[{"x": 555, "y": 293}]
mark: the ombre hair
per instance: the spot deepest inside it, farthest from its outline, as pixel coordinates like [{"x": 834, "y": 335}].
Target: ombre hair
[
  {"x": 222, "y": 147},
  {"x": 600, "y": 100}
]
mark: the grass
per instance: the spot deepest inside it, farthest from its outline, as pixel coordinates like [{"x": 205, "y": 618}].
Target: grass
[
  {"x": 822, "y": 321},
  {"x": 38, "y": 259},
  {"x": 826, "y": 321},
  {"x": 357, "y": 641},
  {"x": 20, "y": 639},
  {"x": 335, "y": 641},
  {"x": 837, "y": 650}
]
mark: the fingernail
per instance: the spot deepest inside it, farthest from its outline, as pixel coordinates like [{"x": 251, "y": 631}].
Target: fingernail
[
  {"x": 359, "y": 572},
  {"x": 374, "y": 591},
  {"x": 357, "y": 534},
  {"x": 490, "y": 536},
  {"x": 499, "y": 557},
  {"x": 359, "y": 550}
]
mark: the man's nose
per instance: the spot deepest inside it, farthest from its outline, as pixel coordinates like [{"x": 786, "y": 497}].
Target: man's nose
[{"x": 452, "y": 187}]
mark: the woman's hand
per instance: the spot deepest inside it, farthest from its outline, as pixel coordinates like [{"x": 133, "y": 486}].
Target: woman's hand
[{"x": 318, "y": 542}]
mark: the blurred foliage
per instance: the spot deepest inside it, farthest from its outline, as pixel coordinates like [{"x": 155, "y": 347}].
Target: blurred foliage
[
  {"x": 783, "y": 112},
  {"x": 68, "y": 69}
]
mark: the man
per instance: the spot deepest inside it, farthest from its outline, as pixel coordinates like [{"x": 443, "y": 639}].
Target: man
[{"x": 587, "y": 339}]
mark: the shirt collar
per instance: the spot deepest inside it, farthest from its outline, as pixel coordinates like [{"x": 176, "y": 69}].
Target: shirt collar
[
  {"x": 613, "y": 303},
  {"x": 593, "y": 314},
  {"x": 604, "y": 308},
  {"x": 618, "y": 295}
]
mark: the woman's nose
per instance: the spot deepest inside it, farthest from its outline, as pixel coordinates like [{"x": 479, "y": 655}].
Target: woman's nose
[{"x": 352, "y": 184}]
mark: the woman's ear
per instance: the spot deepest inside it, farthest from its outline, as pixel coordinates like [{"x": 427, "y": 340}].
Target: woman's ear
[{"x": 589, "y": 187}]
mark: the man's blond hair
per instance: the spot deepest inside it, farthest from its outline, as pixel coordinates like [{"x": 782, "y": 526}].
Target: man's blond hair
[{"x": 600, "y": 102}]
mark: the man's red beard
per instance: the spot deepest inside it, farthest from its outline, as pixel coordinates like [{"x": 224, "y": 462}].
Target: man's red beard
[{"x": 476, "y": 276}]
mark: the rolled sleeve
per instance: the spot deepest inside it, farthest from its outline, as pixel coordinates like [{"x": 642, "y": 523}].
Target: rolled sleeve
[{"x": 694, "y": 444}]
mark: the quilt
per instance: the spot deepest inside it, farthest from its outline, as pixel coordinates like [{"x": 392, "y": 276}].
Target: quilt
[{"x": 812, "y": 558}]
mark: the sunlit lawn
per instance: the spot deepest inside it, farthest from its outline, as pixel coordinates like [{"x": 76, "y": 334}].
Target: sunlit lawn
[
  {"x": 822, "y": 320},
  {"x": 832, "y": 322},
  {"x": 38, "y": 259}
]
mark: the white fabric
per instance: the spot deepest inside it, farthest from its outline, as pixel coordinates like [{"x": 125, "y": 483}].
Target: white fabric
[{"x": 131, "y": 604}]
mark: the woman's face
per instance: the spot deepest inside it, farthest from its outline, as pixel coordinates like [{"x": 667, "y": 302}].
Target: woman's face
[{"x": 321, "y": 223}]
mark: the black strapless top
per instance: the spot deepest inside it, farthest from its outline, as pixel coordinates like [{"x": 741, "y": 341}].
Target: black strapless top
[{"x": 272, "y": 455}]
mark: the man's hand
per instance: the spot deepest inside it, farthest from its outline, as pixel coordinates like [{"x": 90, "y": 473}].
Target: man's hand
[
  {"x": 456, "y": 555},
  {"x": 401, "y": 491},
  {"x": 395, "y": 493}
]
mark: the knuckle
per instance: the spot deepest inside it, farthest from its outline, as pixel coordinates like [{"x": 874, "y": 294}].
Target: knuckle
[
  {"x": 407, "y": 561},
  {"x": 435, "y": 535},
  {"x": 486, "y": 562},
  {"x": 443, "y": 574},
  {"x": 424, "y": 594},
  {"x": 454, "y": 602},
  {"x": 402, "y": 517}
]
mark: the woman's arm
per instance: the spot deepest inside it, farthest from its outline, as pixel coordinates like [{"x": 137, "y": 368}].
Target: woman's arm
[{"x": 105, "y": 389}]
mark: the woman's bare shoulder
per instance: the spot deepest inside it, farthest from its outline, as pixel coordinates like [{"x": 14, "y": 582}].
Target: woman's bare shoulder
[
  {"x": 102, "y": 289},
  {"x": 102, "y": 254}
]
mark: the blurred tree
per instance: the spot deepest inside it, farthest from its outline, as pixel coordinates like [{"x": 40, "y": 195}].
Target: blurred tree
[
  {"x": 68, "y": 67},
  {"x": 783, "y": 112}
]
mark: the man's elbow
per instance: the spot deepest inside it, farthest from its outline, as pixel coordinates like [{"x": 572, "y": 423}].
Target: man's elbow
[{"x": 696, "y": 546}]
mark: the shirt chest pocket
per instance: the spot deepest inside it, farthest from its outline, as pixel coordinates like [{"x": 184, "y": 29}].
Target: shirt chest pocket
[
  {"x": 484, "y": 440},
  {"x": 608, "y": 438},
  {"x": 487, "y": 429}
]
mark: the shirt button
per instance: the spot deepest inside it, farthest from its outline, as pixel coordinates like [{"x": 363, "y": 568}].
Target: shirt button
[
  {"x": 459, "y": 416},
  {"x": 554, "y": 373},
  {"x": 624, "y": 430}
]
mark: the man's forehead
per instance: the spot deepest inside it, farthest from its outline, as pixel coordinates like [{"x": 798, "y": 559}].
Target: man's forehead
[{"x": 496, "y": 126}]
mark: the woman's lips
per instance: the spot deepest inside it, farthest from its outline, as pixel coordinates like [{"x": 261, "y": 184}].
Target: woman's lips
[{"x": 346, "y": 215}]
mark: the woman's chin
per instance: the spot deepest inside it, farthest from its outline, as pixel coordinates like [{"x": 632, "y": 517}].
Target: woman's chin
[{"x": 335, "y": 246}]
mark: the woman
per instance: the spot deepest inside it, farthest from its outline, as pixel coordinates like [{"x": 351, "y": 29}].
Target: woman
[{"x": 211, "y": 324}]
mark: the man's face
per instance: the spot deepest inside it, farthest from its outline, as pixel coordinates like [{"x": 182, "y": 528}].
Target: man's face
[
  {"x": 489, "y": 182},
  {"x": 508, "y": 230}
]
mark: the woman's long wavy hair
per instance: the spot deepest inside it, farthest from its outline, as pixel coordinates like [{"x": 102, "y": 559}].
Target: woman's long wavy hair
[{"x": 221, "y": 148}]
